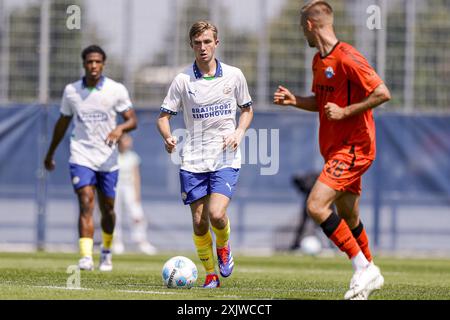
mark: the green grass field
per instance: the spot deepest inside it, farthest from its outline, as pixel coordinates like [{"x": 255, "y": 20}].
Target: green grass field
[{"x": 43, "y": 276}]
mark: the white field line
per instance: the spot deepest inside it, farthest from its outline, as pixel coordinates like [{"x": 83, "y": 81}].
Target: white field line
[
  {"x": 124, "y": 291},
  {"x": 176, "y": 291},
  {"x": 61, "y": 288},
  {"x": 90, "y": 289}
]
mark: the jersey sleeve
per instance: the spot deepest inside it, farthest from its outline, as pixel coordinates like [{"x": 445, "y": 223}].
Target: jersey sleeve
[
  {"x": 123, "y": 99},
  {"x": 242, "y": 95},
  {"x": 359, "y": 71},
  {"x": 172, "y": 101},
  {"x": 66, "y": 108}
]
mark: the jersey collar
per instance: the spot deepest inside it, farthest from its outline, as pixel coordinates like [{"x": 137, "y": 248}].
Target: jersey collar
[
  {"x": 199, "y": 75},
  {"x": 331, "y": 51},
  {"x": 99, "y": 85}
]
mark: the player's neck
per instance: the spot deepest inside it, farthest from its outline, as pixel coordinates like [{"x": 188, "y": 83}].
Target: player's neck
[
  {"x": 326, "y": 44},
  {"x": 208, "y": 69},
  {"x": 92, "y": 82}
]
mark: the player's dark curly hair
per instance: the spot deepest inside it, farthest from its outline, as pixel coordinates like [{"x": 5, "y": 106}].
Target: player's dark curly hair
[{"x": 93, "y": 49}]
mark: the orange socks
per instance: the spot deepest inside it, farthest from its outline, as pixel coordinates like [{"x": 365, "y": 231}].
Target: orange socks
[
  {"x": 338, "y": 231},
  {"x": 359, "y": 233},
  {"x": 343, "y": 238}
]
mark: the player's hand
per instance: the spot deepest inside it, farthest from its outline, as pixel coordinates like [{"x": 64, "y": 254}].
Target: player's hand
[
  {"x": 171, "y": 144},
  {"x": 284, "y": 97},
  {"x": 49, "y": 163},
  {"x": 233, "y": 140},
  {"x": 334, "y": 112},
  {"x": 114, "y": 136}
]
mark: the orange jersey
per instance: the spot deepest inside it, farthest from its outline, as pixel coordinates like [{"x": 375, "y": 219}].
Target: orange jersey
[{"x": 344, "y": 77}]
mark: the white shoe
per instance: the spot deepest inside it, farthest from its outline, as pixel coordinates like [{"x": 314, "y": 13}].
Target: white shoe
[
  {"x": 364, "y": 282},
  {"x": 105, "y": 260},
  {"x": 147, "y": 248},
  {"x": 375, "y": 285},
  {"x": 361, "y": 296},
  {"x": 86, "y": 263}
]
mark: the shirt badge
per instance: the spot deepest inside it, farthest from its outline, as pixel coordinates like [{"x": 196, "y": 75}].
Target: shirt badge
[
  {"x": 329, "y": 73},
  {"x": 227, "y": 89}
]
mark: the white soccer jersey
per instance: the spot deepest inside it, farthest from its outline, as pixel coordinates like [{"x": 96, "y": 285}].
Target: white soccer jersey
[
  {"x": 128, "y": 161},
  {"x": 94, "y": 111},
  {"x": 209, "y": 108}
]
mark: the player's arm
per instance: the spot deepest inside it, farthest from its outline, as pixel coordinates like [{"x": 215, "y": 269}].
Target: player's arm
[
  {"x": 129, "y": 124},
  {"x": 379, "y": 96},
  {"x": 58, "y": 133},
  {"x": 163, "y": 125},
  {"x": 245, "y": 119},
  {"x": 284, "y": 97}
]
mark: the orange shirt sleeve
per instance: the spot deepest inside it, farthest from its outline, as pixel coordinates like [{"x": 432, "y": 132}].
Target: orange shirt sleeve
[{"x": 359, "y": 71}]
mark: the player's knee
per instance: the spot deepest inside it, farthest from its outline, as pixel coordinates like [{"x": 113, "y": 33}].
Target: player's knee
[
  {"x": 109, "y": 211},
  {"x": 314, "y": 208},
  {"x": 86, "y": 204},
  {"x": 217, "y": 215}
]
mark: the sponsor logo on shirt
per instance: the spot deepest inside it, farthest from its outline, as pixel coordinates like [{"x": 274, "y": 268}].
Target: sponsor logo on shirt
[
  {"x": 211, "y": 111},
  {"x": 329, "y": 73},
  {"x": 321, "y": 87},
  {"x": 93, "y": 117}
]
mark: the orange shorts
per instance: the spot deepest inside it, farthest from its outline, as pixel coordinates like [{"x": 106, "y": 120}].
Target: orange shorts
[{"x": 343, "y": 171}]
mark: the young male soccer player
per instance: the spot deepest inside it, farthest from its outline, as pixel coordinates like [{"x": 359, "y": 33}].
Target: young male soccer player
[
  {"x": 345, "y": 88},
  {"x": 209, "y": 93},
  {"x": 93, "y": 102}
]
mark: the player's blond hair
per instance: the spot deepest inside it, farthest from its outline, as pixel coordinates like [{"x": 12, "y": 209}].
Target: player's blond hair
[
  {"x": 318, "y": 11},
  {"x": 202, "y": 26}
]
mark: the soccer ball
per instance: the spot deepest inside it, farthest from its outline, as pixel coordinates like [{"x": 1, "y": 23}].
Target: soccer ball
[
  {"x": 179, "y": 272},
  {"x": 310, "y": 245}
]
